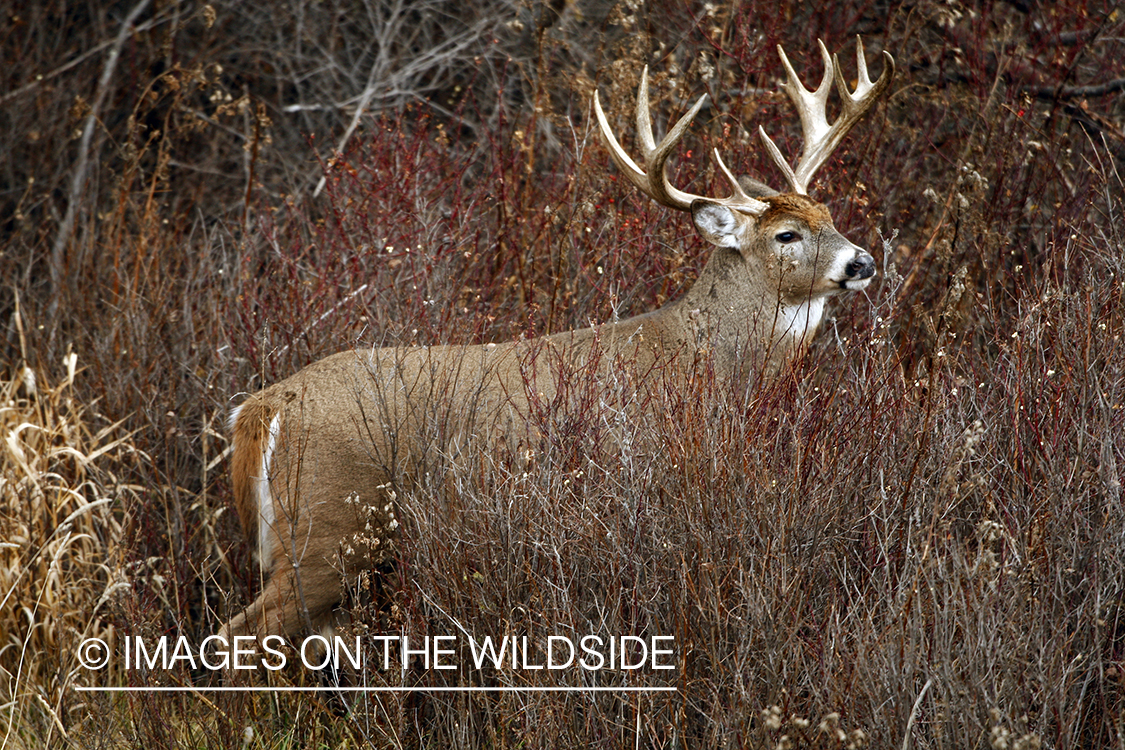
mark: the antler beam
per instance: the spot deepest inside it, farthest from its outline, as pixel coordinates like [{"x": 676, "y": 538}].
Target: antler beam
[{"x": 654, "y": 183}]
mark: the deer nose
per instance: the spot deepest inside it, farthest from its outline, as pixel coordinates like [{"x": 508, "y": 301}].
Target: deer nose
[{"x": 861, "y": 266}]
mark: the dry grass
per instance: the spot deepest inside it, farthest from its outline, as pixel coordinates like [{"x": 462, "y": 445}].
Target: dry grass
[{"x": 63, "y": 526}]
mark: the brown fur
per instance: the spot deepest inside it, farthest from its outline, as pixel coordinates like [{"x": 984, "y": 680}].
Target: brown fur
[
  {"x": 251, "y": 430},
  {"x": 799, "y": 207}
]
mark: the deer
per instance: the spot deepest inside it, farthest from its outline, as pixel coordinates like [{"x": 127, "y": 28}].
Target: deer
[{"x": 320, "y": 459}]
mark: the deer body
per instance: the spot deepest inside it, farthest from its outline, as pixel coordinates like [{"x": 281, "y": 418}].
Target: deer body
[{"x": 319, "y": 458}]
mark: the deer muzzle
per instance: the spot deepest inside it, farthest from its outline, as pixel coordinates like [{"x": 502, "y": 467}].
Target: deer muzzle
[{"x": 859, "y": 271}]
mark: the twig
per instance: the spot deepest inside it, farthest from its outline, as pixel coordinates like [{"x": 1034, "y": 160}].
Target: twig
[
  {"x": 359, "y": 110},
  {"x": 324, "y": 315},
  {"x": 379, "y": 77},
  {"x": 79, "y": 181},
  {"x": 1076, "y": 92},
  {"x": 914, "y": 713},
  {"x": 42, "y": 78}
]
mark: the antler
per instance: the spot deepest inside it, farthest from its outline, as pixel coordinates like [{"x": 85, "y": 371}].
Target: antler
[
  {"x": 655, "y": 183},
  {"x": 821, "y": 138}
]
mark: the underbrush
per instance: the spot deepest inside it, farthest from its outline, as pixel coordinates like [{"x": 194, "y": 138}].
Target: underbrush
[
  {"x": 913, "y": 536},
  {"x": 63, "y": 549}
]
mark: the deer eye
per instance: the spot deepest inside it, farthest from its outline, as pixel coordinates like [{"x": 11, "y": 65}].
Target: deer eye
[{"x": 786, "y": 238}]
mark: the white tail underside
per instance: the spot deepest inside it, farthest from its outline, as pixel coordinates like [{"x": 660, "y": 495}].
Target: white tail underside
[{"x": 264, "y": 500}]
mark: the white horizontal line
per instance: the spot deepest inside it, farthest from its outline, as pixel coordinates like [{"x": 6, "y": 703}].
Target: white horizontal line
[{"x": 418, "y": 689}]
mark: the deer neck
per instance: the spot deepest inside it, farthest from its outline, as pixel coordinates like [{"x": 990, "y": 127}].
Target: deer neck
[{"x": 735, "y": 312}]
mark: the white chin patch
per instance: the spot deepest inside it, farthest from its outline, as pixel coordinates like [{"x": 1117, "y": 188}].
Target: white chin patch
[{"x": 854, "y": 285}]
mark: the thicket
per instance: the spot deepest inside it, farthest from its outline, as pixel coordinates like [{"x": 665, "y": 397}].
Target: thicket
[{"x": 915, "y": 537}]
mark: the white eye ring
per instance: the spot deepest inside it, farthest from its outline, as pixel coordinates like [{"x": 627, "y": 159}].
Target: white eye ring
[{"x": 788, "y": 238}]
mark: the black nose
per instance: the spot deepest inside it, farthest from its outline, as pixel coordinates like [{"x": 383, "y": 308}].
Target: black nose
[{"x": 860, "y": 267}]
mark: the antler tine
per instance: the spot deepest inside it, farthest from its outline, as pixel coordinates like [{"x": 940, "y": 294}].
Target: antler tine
[
  {"x": 655, "y": 183},
  {"x": 738, "y": 199},
  {"x": 866, "y": 92},
  {"x": 821, "y": 139},
  {"x": 811, "y": 105}
]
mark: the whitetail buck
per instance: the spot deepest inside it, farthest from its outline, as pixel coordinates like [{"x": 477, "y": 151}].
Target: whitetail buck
[{"x": 320, "y": 458}]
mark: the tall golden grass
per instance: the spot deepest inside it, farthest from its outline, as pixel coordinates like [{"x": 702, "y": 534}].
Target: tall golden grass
[{"x": 61, "y": 558}]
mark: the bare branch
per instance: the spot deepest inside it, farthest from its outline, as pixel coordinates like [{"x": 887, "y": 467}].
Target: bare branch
[
  {"x": 79, "y": 180},
  {"x": 1052, "y": 93}
]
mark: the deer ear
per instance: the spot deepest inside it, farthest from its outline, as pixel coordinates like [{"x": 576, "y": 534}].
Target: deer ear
[{"x": 718, "y": 224}]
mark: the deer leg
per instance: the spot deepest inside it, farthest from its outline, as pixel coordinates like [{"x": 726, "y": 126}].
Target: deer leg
[{"x": 292, "y": 601}]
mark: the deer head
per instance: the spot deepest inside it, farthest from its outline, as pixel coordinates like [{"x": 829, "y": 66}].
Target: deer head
[{"x": 781, "y": 245}]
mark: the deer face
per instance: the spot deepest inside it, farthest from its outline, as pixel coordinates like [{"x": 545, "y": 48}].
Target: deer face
[
  {"x": 780, "y": 257},
  {"x": 795, "y": 251}
]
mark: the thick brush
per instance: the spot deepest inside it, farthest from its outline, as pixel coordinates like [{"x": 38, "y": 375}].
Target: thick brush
[{"x": 932, "y": 499}]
